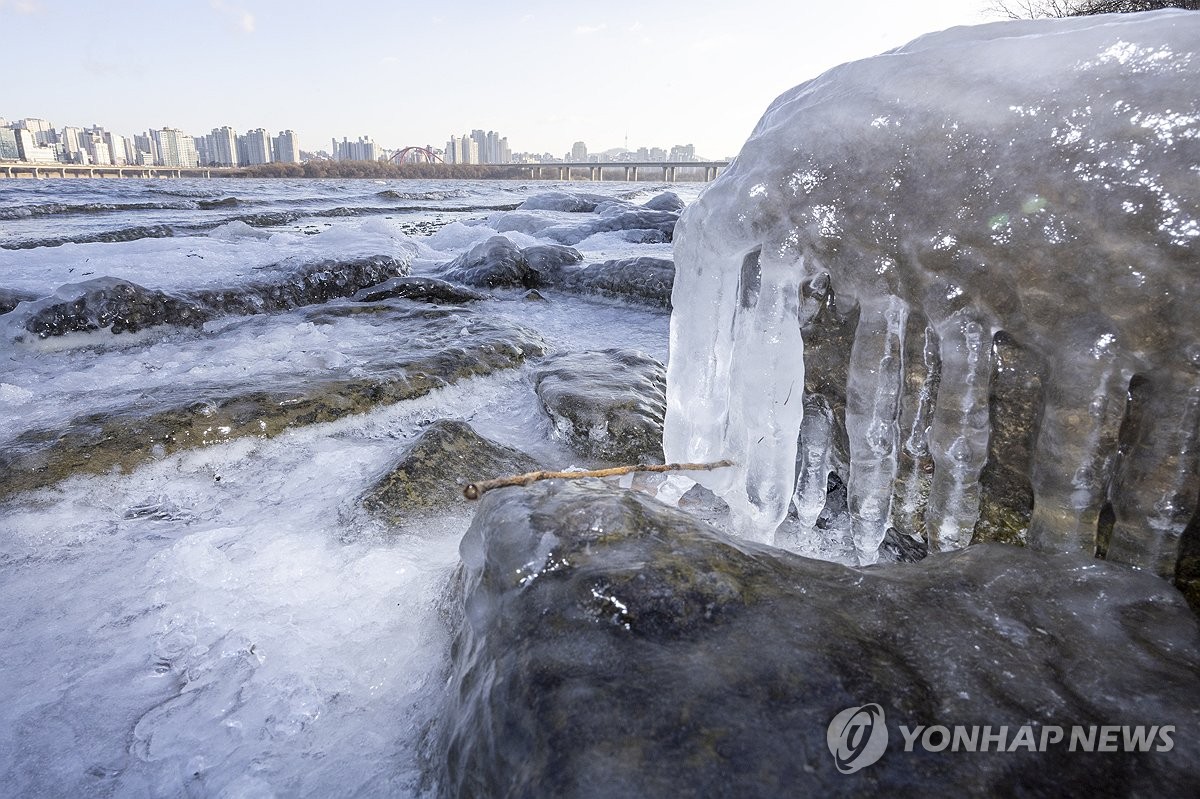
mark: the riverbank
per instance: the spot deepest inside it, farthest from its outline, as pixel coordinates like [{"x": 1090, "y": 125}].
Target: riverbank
[{"x": 669, "y": 172}]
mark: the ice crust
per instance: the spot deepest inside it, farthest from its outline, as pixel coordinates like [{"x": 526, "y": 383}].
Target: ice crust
[
  {"x": 228, "y": 254},
  {"x": 227, "y": 620},
  {"x": 1037, "y": 178}
]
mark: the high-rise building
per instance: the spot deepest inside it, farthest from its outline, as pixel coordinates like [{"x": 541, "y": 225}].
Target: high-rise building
[
  {"x": 43, "y": 131},
  {"x": 72, "y": 145},
  {"x": 287, "y": 147},
  {"x": 362, "y": 150},
  {"x": 203, "y": 150},
  {"x": 30, "y": 151},
  {"x": 578, "y": 152},
  {"x": 478, "y": 147},
  {"x": 222, "y": 147},
  {"x": 254, "y": 148},
  {"x": 683, "y": 152},
  {"x": 8, "y": 145},
  {"x": 174, "y": 148},
  {"x": 97, "y": 148},
  {"x": 116, "y": 147},
  {"x": 147, "y": 148}
]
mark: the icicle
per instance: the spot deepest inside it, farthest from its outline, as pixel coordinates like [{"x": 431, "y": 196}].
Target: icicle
[
  {"x": 916, "y": 463},
  {"x": 698, "y": 388},
  {"x": 872, "y": 407},
  {"x": 735, "y": 381},
  {"x": 1155, "y": 492},
  {"x": 1077, "y": 443},
  {"x": 959, "y": 436},
  {"x": 767, "y": 406},
  {"x": 813, "y": 465}
]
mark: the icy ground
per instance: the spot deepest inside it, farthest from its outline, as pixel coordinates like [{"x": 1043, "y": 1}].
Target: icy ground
[{"x": 227, "y": 621}]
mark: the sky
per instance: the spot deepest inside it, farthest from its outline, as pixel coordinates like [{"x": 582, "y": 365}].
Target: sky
[{"x": 544, "y": 74}]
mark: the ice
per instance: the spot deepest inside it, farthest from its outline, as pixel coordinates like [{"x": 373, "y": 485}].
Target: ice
[
  {"x": 233, "y": 253},
  {"x": 872, "y": 407},
  {"x": 227, "y": 620},
  {"x": 1036, "y": 180}
]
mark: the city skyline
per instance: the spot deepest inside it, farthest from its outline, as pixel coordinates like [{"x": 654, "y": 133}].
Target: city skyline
[
  {"x": 656, "y": 74},
  {"x": 38, "y": 140}
]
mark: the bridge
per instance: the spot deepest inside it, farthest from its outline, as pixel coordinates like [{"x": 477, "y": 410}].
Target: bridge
[
  {"x": 57, "y": 170},
  {"x": 632, "y": 169}
]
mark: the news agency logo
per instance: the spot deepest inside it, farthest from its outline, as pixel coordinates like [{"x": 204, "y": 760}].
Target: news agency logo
[{"x": 857, "y": 737}]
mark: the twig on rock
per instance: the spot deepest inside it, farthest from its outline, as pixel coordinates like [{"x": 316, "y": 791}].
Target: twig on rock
[{"x": 476, "y": 490}]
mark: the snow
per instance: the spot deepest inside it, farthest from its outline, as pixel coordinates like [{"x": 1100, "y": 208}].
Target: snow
[{"x": 1036, "y": 178}]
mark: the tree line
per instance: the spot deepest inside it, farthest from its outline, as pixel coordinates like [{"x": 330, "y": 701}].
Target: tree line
[{"x": 1033, "y": 9}]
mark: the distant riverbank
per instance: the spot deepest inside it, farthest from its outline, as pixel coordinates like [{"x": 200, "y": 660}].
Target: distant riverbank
[{"x": 363, "y": 169}]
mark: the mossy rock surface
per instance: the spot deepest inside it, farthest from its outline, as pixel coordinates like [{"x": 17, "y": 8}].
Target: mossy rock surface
[
  {"x": 435, "y": 347},
  {"x": 432, "y": 472},
  {"x": 606, "y": 404}
]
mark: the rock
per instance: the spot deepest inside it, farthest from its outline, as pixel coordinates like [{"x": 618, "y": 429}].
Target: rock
[
  {"x": 495, "y": 263},
  {"x": 534, "y": 296},
  {"x": 609, "y": 645},
  {"x": 607, "y": 404},
  {"x": 113, "y": 304},
  {"x": 564, "y": 201},
  {"x": 548, "y": 259},
  {"x": 123, "y": 234},
  {"x": 667, "y": 201},
  {"x": 616, "y": 218},
  {"x": 435, "y": 347},
  {"x": 11, "y": 298},
  {"x": 432, "y": 472},
  {"x": 423, "y": 289},
  {"x": 122, "y": 306},
  {"x": 643, "y": 279},
  {"x": 283, "y": 287}
]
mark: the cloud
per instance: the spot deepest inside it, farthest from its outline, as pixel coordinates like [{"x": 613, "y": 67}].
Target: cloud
[
  {"x": 21, "y": 6},
  {"x": 588, "y": 30},
  {"x": 240, "y": 18}
]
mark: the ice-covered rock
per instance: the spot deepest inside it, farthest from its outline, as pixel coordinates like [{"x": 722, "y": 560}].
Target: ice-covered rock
[
  {"x": 570, "y": 202},
  {"x": 643, "y": 279},
  {"x": 494, "y": 263},
  {"x": 651, "y": 224},
  {"x": 1014, "y": 205},
  {"x": 547, "y": 259},
  {"x": 424, "y": 289},
  {"x": 667, "y": 201},
  {"x": 121, "y": 306},
  {"x": 607, "y": 404},
  {"x": 11, "y": 298},
  {"x": 407, "y": 351},
  {"x": 433, "y": 471},
  {"x": 123, "y": 234},
  {"x": 611, "y": 646}
]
